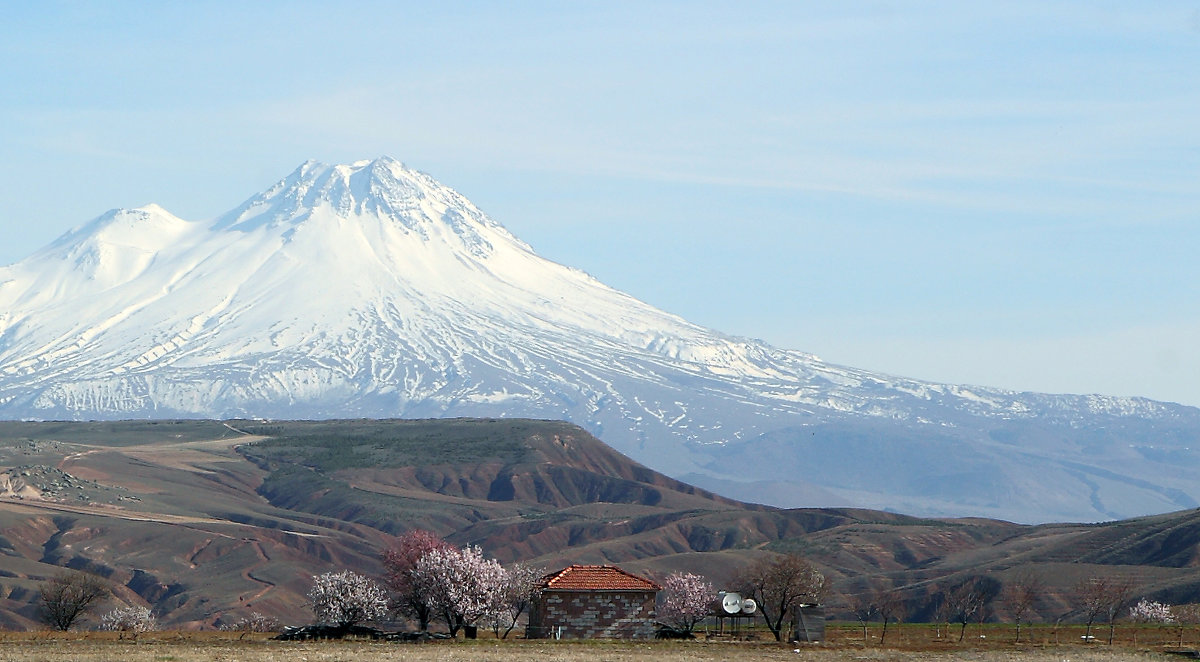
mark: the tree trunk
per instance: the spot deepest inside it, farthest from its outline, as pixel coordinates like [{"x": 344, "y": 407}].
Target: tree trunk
[
  {"x": 453, "y": 621},
  {"x": 776, "y": 626}
]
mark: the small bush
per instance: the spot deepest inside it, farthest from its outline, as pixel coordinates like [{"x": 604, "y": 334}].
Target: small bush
[{"x": 255, "y": 622}]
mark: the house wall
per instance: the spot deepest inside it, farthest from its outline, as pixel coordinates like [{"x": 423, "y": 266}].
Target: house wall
[{"x": 593, "y": 615}]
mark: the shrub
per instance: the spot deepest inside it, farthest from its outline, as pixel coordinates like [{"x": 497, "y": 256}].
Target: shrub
[{"x": 255, "y": 622}]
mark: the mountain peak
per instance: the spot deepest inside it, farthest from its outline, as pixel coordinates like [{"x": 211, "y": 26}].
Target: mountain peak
[
  {"x": 370, "y": 289},
  {"x": 381, "y": 190}
]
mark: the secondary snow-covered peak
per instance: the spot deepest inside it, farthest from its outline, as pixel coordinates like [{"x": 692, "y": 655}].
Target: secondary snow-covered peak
[
  {"x": 112, "y": 248},
  {"x": 143, "y": 226}
]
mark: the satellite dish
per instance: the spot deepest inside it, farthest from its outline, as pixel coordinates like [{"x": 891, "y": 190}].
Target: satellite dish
[
  {"x": 731, "y": 603},
  {"x": 749, "y": 606}
]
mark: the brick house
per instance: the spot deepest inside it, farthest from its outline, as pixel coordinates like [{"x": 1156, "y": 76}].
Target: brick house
[{"x": 593, "y": 602}]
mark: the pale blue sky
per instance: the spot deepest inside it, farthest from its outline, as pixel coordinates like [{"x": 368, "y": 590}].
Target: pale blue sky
[{"x": 1004, "y": 194}]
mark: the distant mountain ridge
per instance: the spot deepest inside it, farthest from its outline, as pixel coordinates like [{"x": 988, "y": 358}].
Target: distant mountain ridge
[{"x": 371, "y": 290}]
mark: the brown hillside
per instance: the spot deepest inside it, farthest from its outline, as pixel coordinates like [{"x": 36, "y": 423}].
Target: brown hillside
[{"x": 206, "y": 521}]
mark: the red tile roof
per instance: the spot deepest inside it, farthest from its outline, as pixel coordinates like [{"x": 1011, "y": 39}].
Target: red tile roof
[{"x": 596, "y": 578}]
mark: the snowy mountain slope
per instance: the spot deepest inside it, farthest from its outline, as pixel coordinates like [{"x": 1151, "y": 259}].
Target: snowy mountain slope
[{"x": 370, "y": 290}]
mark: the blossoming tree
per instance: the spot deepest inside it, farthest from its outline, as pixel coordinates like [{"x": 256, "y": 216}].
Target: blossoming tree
[
  {"x": 522, "y": 586},
  {"x": 686, "y": 600},
  {"x": 345, "y": 598},
  {"x": 461, "y": 585},
  {"x": 399, "y": 562},
  {"x": 132, "y": 619},
  {"x": 1147, "y": 612}
]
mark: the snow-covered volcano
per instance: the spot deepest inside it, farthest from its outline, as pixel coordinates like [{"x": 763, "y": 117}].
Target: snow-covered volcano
[{"x": 371, "y": 290}]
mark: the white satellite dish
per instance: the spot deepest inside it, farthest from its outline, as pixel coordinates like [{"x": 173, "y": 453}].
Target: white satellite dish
[
  {"x": 749, "y": 606},
  {"x": 731, "y": 603}
]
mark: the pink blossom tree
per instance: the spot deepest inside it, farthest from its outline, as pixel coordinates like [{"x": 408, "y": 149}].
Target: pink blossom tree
[
  {"x": 686, "y": 600},
  {"x": 399, "y": 563},
  {"x": 345, "y": 598},
  {"x": 461, "y": 585}
]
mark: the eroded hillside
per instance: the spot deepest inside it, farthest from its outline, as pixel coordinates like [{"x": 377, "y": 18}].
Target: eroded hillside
[{"x": 206, "y": 521}]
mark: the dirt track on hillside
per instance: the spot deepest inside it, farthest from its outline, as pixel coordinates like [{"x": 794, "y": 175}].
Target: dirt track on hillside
[{"x": 104, "y": 510}]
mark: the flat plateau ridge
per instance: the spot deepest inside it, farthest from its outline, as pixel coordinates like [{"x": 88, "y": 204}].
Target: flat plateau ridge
[
  {"x": 371, "y": 290},
  {"x": 209, "y": 521}
]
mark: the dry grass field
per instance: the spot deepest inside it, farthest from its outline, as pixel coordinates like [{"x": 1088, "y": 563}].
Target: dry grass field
[
  {"x": 92, "y": 650},
  {"x": 913, "y": 644}
]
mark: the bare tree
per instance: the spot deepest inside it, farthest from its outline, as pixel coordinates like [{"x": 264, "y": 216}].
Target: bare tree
[
  {"x": 1185, "y": 615},
  {"x": 943, "y": 611},
  {"x": 399, "y": 562},
  {"x": 1020, "y": 595},
  {"x": 1090, "y": 596},
  {"x": 961, "y": 604},
  {"x": 779, "y": 585},
  {"x": 889, "y": 604},
  {"x": 1102, "y": 597},
  {"x": 1119, "y": 597},
  {"x": 68, "y": 596},
  {"x": 971, "y": 600},
  {"x": 863, "y": 607}
]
